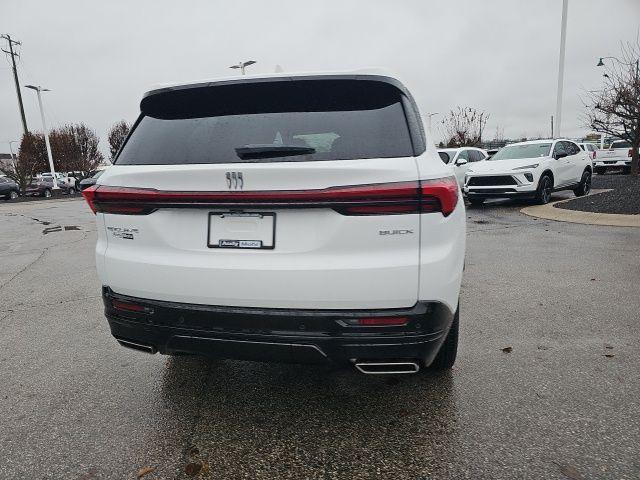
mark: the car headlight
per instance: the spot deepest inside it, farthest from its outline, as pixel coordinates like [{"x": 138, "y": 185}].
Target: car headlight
[{"x": 534, "y": 165}]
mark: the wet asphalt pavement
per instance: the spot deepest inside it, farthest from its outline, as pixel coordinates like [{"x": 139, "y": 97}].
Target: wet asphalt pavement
[{"x": 562, "y": 404}]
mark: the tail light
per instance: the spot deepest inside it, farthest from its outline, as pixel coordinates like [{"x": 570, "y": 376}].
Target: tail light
[
  {"x": 426, "y": 196},
  {"x": 595, "y": 154},
  {"x": 630, "y": 152},
  {"x": 89, "y": 195}
]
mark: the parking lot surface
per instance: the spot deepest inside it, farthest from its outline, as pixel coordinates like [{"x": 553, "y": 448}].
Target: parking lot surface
[{"x": 545, "y": 386}]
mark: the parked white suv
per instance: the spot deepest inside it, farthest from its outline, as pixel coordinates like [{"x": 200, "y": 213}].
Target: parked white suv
[
  {"x": 531, "y": 170},
  {"x": 461, "y": 159},
  {"x": 297, "y": 218}
]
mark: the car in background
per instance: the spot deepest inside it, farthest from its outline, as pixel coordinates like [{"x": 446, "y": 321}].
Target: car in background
[
  {"x": 9, "y": 189},
  {"x": 461, "y": 158},
  {"x": 491, "y": 152},
  {"x": 91, "y": 180},
  {"x": 590, "y": 148},
  {"x": 618, "y": 155},
  {"x": 43, "y": 187},
  {"x": 533, "y": 169}
]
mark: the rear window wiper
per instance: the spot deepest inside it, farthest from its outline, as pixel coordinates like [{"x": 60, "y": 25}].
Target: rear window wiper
[{"x": 269, "y": 150}]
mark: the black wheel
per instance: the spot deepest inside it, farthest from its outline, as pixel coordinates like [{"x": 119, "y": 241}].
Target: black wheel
[
  {"x": 47, "y": 193},
  {"x": 600, "y": 170},
  {"x": 71, "y": 191},
  {"x": 13, "y": 195},
  {"x": 476, "y": 201},
  {"x": 585, "y": 185},
  {"x": 449, "y": 350},
  {"x": 545, "y": 188}
]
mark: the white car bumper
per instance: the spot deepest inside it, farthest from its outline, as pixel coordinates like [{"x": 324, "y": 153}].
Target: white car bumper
[{"x": 518, "y": 184}]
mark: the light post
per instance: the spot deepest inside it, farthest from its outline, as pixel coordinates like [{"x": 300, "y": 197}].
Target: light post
[
  {"x": 243, "y": 65},
  {"x": 637, "y": 62},
  {"x": 13, "y": 156},
  {"x": 563, "y": 41},
  {"x": 38, "y": 90},
  {"x": 429, "y": 115}
]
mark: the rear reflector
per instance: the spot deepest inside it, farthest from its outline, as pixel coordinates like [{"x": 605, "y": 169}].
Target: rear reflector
[
  {"x": 383, "y": 321},
  {"x": 439, "y": 195},
  {"x": 130, "y": 307}
]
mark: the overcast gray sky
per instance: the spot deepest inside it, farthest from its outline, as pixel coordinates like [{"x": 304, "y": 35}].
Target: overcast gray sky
[{"x": 497, "y": 55}]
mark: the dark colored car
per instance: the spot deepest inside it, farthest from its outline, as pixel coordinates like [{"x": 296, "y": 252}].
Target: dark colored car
[
  {"x": 43, "y": 187},
  {"x": 8, "y": 188},
  {"x": 91, "y": 180}
]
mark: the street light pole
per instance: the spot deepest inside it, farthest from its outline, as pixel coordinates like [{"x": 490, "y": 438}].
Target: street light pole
[
  {"x": 429, "y": 115},
  {"x": 13, "y": 156},
  {"x": 243, "y": 65},
  {"x": 38, "y": 90},
  {"x": 563, "y": 40}
]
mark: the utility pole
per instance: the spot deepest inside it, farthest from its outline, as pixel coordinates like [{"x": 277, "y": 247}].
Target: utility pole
[
  {"x": 551, "y": 126},
  {"x": 13, "y": 56},
  {"x": 563, "y": 41}
]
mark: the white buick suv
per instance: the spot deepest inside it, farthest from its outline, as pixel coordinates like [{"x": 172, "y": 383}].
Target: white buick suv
[
  {"x": 294, "y": 218},
  {"x": 532, "y": 170}
]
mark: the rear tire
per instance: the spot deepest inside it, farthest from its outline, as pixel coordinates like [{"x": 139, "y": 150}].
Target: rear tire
[
  {"x": 545, "y": 188},
  {"x": 600, "y": 170},
  {"x": 71, "y": 191},
  {"x": 46, "y": 193},
  {"x": 13, "y": 195},
  {"x": 449, "y": 350},
  {"x": 585, "y": 185},
  {"x": 476, "y": 202}
]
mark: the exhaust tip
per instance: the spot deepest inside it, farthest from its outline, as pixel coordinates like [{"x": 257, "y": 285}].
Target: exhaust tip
[
  {"x": 387, "y": 368},
  {"x": 137, "y": 346}
]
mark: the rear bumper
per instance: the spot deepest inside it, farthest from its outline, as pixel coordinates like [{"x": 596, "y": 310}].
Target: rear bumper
[
  {"x": 278, "y": 335},
  {"x": 612, "y": 163}
]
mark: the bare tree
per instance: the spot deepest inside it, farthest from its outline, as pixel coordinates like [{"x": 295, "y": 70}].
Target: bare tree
[
  {"x": 117, "y": 135},
  {"x": 75, "y": 148},
  {"x": 463, "y": 127},
  {"x": 615, "y": 109},
  {"x": 32, "y": 157}
]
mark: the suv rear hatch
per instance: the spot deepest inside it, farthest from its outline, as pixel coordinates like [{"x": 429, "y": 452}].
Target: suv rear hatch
[{"x": 287, "y": 193}]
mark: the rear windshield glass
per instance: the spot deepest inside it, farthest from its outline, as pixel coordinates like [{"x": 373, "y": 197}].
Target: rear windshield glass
[
  {"x": 274, "y": 121},
  {"x": 621, "y": 145},
  {"x": 527, "y": 150}
]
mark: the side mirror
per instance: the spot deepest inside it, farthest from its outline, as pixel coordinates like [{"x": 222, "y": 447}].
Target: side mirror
[
  {"x": 461, "y": 161},
  {"x": 560, "y": 155}
]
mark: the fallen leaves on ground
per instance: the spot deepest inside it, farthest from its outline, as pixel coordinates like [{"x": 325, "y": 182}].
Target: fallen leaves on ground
[
  {"x": 507, "y": 349},
  {"x": 570, "y": 472},
  {"x": 198, "y": 467},
  {"x": 608, "y": 355},
  {"x": 144, "y": 471}
]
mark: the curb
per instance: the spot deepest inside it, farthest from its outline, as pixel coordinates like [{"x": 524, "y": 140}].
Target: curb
[{"x": 549, "y": 212}]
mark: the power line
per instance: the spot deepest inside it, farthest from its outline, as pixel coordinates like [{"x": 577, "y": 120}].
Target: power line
[{"x": 13, "y": 56}]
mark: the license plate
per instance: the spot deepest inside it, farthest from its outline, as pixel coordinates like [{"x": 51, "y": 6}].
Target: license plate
[
  {"x": 244, "y": 230},
  {"x": 610, "y": 162}
]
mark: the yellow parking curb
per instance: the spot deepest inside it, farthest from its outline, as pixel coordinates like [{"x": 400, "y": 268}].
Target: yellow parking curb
[{"x": 549, "y": 212}]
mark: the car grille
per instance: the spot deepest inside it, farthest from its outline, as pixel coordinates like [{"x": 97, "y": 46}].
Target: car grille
[{"x": 492, "y": 181}]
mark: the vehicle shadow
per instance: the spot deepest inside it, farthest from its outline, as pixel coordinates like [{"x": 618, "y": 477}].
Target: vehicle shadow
[{"x": 299, "y": 421}]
